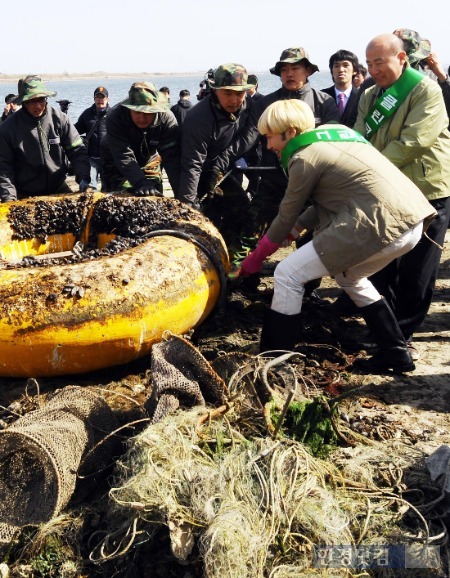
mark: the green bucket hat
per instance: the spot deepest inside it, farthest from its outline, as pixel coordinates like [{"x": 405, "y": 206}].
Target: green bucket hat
[
  {"x": 145, "y": 97},
  {"x": 416, "y": 47},
  {"x": 231, "y": 76},
  {"x": 291, "y": 56},
  {"x": 31, "y": 87}
]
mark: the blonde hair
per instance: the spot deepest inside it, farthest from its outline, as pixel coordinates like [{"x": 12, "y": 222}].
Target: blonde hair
[{"x": 285, "y": 114}]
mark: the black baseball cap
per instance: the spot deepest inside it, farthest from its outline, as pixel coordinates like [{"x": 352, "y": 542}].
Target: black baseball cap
[{"x": 100, "y": 90}]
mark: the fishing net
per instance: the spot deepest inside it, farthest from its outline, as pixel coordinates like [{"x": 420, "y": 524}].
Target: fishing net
[
  {"x": 252, "y": 507},
  {"x": 44, "y": 452},
  {"x": 181, "y": 377}
]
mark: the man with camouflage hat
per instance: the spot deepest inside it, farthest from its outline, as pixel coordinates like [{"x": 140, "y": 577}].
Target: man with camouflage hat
[
  {"x": 208, "y": 129},
  {"x": 140, "y": 132},
  {"x": 34, "y": 144},
  {"x": 294, "y": 68}
]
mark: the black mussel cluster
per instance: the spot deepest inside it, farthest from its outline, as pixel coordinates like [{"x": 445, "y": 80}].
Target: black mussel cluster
[
  {"x": 132, "y": 220},
  {"x": 135, "y": 217},
  {"x": 40, "y": 218}
]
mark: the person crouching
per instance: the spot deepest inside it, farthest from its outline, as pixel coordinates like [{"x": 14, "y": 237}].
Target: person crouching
[{"x": 364, "y": 213}]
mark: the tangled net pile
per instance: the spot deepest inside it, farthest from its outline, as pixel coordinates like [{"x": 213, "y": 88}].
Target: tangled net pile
[
  {"x": 248, "y": 487},
  {"x": 249, "y": 504}
]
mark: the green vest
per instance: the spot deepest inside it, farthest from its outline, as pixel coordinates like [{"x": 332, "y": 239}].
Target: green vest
[{"x": 391, "y": 99}]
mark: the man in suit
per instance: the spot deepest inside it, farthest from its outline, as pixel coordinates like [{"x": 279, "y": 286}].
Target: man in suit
[{"x": 343, "y": 66}]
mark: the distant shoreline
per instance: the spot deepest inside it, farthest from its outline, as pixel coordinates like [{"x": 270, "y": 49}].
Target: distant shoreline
[{"x": 4, "y": 78}]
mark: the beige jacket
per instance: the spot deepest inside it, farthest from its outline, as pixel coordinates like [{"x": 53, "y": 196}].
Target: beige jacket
[{"x": 360, "y": 202}]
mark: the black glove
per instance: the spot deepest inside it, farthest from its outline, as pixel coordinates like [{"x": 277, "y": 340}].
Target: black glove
[
  {"x": 147, "y": 190},
  {"x": 84, "y": 185}
]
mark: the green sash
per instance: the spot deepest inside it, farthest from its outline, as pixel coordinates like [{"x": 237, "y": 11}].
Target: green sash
[
  {"x": 391, "y": 99},
  {"x": 342, "y": 134}
]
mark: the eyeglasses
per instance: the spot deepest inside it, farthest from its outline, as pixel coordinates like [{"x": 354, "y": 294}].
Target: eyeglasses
[
  {"x": 100, "y": 96},
  {"x": 39, "y": 100}
]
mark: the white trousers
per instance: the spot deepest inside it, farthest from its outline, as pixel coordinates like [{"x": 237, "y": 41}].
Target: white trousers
[{"x": 304, "y": 265}]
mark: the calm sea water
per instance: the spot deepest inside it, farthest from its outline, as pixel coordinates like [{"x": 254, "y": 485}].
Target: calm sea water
[{"x": 81, "y": 92}]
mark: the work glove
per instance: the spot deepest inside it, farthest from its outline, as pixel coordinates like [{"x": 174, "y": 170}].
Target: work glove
[
  {"x": 253, "y": 262},
  {"x": 147, "y": 190},
  {"x": 153, "y": 167},
  {"x": 84, "y": 185},
  {"x": 210, "y": 188},
  {"x": 194, "y": 205}
]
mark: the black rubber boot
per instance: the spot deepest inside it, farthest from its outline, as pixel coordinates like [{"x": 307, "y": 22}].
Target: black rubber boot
[
  {"x": 279, "y": 331},
  {"x": 393, "y": 353}
]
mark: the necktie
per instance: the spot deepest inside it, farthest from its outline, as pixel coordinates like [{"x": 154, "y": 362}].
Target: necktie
[{"x": 341, "y": 103}]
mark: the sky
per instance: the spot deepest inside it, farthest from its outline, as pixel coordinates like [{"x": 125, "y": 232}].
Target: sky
[{"x": 61, "y": 37}]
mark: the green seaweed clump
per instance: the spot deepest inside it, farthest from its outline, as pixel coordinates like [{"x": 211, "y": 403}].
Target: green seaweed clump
[{"x": 310, "y": 422}]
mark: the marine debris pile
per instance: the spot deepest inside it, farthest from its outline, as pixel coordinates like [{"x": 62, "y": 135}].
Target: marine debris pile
[
  {"x": 234, "y": 488},
  {"x": 260, "y": 480}
]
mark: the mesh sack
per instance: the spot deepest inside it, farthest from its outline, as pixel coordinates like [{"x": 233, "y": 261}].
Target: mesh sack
[
  {"x": 181, "y": 377},
  {"x": 43, "y": 453},
  {"x": 7, "y": 533}
]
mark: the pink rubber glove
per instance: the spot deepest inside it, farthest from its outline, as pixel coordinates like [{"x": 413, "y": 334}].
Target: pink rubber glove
[{"x": 253, "y": 262}]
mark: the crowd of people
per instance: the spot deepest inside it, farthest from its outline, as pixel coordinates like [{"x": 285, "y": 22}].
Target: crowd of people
[{"x": 356, "y": 174}]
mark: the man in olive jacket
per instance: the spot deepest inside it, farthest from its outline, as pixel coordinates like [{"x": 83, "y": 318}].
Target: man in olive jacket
[{"x": 415, "y": 139}]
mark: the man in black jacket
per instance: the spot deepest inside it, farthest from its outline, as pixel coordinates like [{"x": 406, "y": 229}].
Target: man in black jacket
[
  {"x": 92, "y": 124},
  {"x": 35, "y": 143},
  {"x": 140, "y": 132},
  {"x": 11, "y": 106},
  {"x": 343, "y": 66},
  {"x": 183, "y": 105},
  {"x": 208, "y": 129}
]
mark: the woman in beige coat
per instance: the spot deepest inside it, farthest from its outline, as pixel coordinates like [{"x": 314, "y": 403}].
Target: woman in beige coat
[{"x": 364, "y": 212}]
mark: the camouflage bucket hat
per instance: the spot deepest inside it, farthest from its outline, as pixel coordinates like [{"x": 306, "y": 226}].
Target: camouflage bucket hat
[
  {"x": 230, "y": 76},
  {"x": 31, "y": 87},
  {"x": 416, "y": 47},
  {"x": 292, "y": 55},
  {"x": 145, "y": 97}
]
